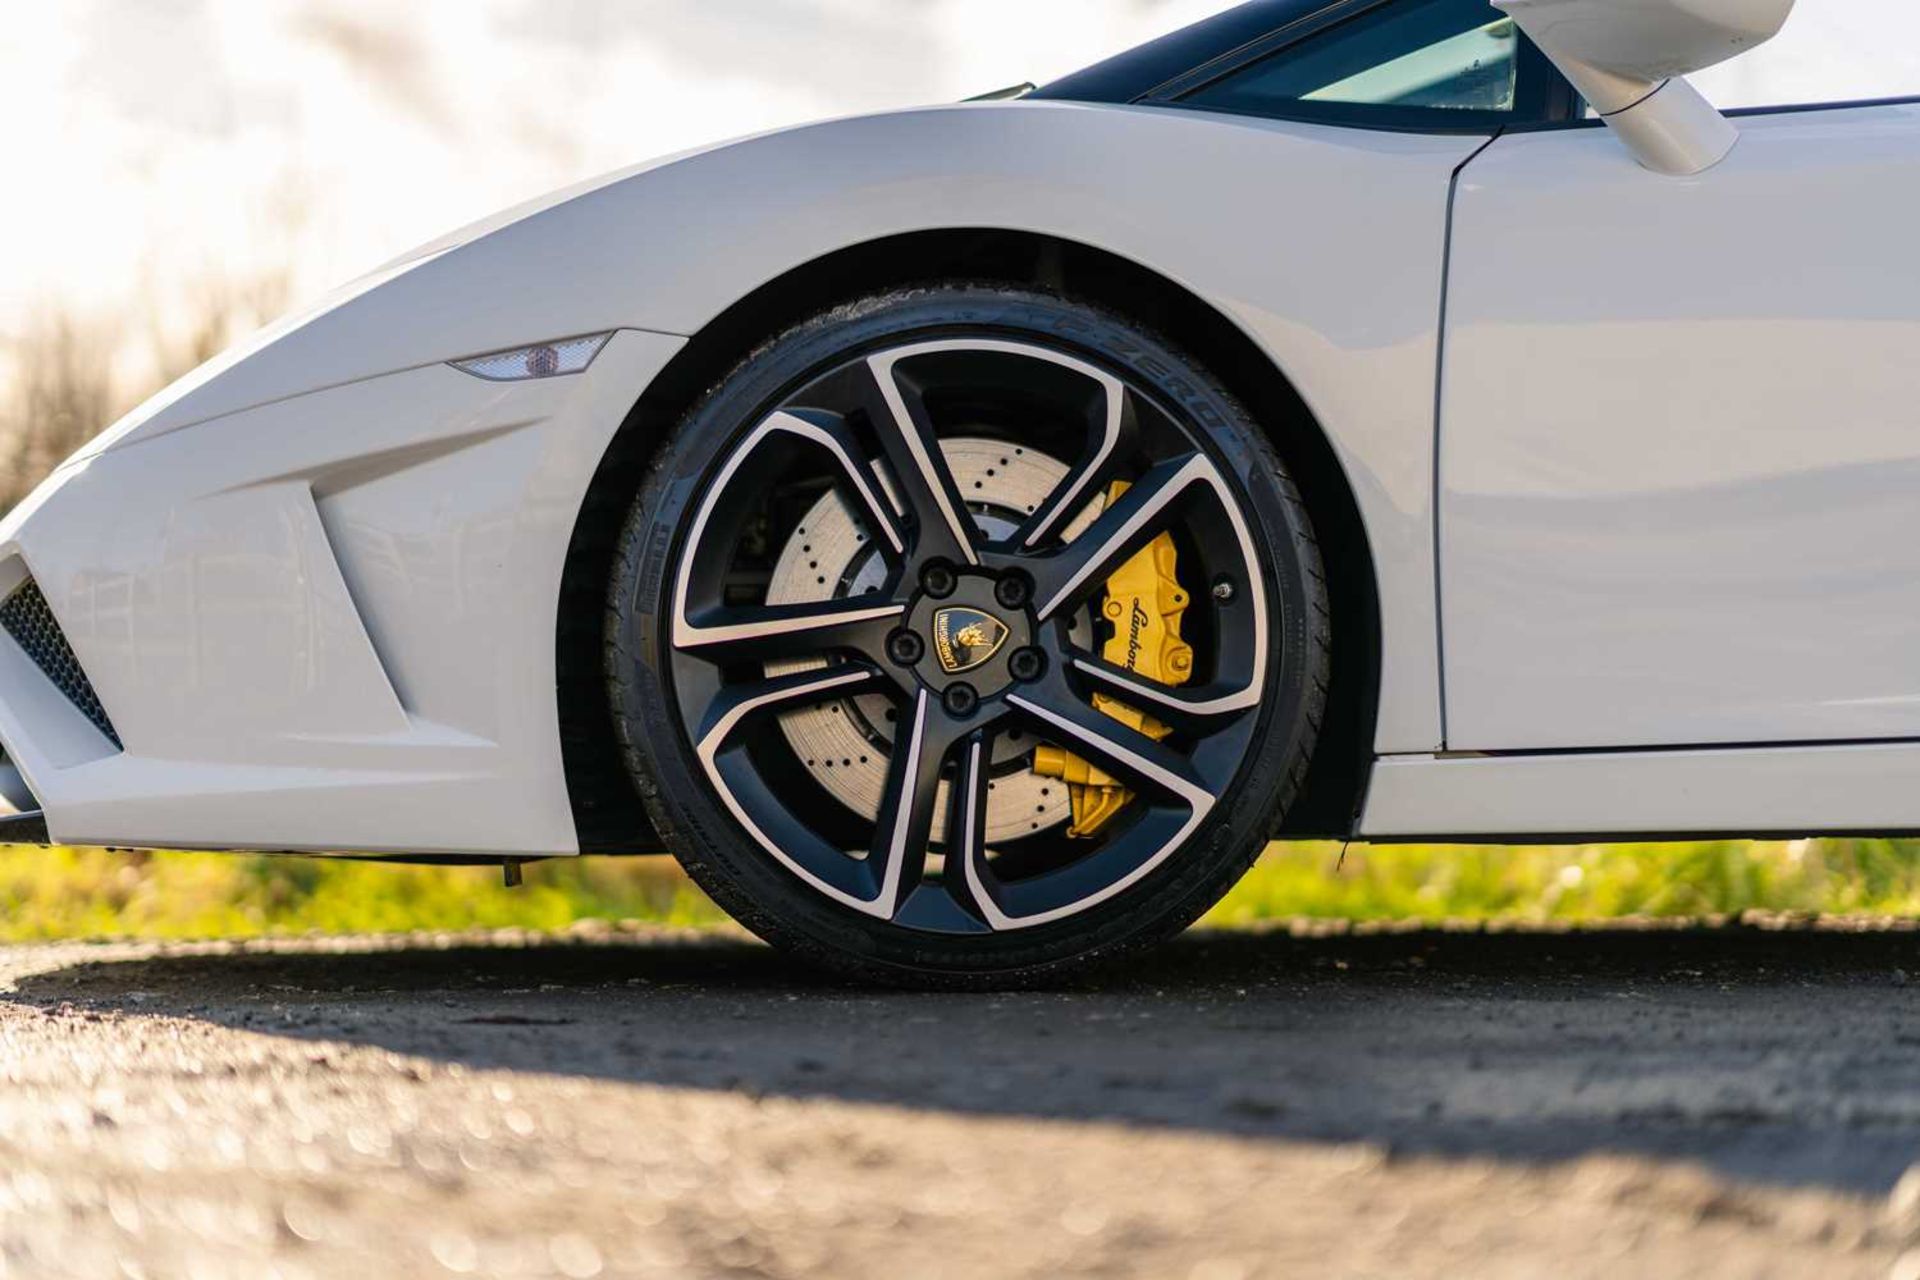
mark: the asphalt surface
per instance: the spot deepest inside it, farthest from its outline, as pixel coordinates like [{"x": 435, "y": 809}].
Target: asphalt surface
[{"x": 1733, "y": 1101}]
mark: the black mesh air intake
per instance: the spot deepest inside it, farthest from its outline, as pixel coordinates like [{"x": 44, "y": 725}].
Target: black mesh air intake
[{"x": 24, "y": 615}]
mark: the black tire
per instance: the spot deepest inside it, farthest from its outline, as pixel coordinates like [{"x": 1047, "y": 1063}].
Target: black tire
[{"x": 678, "y": 785}]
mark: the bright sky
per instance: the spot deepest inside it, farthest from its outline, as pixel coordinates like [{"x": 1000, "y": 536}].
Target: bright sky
[
  {"x": 156, "y": 142},
  {"x": 160, "y": 140}
]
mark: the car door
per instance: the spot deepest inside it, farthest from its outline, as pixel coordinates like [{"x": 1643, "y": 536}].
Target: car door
[
  {"x": 1679, "y": 456},
  {"x": 1421, "y": 85}
]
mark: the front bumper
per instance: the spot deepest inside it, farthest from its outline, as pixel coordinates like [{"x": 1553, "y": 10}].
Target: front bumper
[{"x": 325, "y": 623}]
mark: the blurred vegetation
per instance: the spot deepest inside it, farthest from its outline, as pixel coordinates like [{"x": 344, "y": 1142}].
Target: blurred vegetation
[
  {"x": 61, "y": 393},
  {"x": 66, "y": 376},
  {"x": 51, "y": 894},
  {"x": 1590, "y": 882},
  {"x": 48, "y": 894}
]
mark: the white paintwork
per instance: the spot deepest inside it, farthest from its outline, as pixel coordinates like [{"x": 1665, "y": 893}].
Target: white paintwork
[
  {"x": 1679, "y": 448},
  {"x": 1343, "y": 293},
  {"x": 188, "y": 557},
  {"x": 325, "y": 623},
  {"x": 1780, "y": 791},
  {"x": 315, "y": 584},
  {"x": 1674, "y": 131}
]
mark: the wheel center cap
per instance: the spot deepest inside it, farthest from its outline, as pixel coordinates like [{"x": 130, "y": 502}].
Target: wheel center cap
[{"x": 965, "y": 638}]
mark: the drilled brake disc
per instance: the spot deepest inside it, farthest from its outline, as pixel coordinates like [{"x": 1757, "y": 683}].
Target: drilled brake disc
[{"x": 846, "y": 745}]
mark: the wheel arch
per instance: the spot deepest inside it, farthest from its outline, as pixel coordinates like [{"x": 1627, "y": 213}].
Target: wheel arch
[{"x": 608, "y": 814}]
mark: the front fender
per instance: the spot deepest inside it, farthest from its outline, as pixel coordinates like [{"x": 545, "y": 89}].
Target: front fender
[{"x": 1324, "y": 245}]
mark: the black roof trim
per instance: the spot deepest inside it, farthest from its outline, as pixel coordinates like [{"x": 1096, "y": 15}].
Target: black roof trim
[
  {"x": 1164, "y": 71},
  {"x": 1131, "y": 76}
]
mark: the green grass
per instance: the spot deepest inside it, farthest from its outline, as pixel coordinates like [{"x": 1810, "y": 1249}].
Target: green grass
[
  {"x": 1594, "y": 882},
  {"x": 49, "y": 894}
]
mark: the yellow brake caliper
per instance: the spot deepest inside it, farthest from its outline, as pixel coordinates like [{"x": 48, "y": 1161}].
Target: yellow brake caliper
[{"x": 1144, "y": 603}]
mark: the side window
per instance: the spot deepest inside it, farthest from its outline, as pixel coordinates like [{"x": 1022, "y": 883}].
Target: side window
[{"x": 1417, "y": 64}]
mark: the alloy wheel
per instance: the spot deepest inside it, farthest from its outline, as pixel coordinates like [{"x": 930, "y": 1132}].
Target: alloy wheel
[{"x": 890, "y": 626}]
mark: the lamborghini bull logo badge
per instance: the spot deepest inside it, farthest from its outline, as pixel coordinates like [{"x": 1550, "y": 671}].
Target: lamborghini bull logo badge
[{"x": 965, "y": 638}]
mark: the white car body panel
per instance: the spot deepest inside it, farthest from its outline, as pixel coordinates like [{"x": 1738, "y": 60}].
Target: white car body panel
[
  {"x": 1756, "y": 791},
  {"x": 197, "y": 579},
  {"x": 326, "y": 623},
  {"x": 1679, "y": 455},
  {"x": 316, "y": 583},
  {"x": 1343, "y": 294}
]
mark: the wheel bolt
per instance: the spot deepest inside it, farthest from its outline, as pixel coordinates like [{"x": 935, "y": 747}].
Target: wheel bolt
[
  {"x": 1026, "y": 664},
  {"x": 1013, "y": 591},
  {"x": 961, "y": 699},
  {"x": 938, "y": 580},
  {"x": 905, "y": 648}
]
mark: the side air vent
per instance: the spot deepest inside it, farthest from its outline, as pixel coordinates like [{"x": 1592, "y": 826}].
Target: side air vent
[
  {"x": 15, "y": 795},
  {"x": 24, "y": 615}
]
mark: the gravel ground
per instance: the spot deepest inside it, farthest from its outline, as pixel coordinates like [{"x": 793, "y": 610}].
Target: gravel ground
[{"x": 1731, "y": 1100}]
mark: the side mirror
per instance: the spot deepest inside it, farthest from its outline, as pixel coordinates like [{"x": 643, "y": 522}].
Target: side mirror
[{"x": 1627, "y": 57}]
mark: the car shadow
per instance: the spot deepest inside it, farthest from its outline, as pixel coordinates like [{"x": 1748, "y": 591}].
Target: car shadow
[{"x": 1781, "y": 1056}]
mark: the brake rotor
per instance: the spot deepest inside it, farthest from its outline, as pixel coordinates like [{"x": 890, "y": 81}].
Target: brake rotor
[{"x": 846, "y": 745}]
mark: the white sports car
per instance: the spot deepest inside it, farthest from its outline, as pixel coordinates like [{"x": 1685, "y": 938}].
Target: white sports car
[{"x": 964, "y": 536}]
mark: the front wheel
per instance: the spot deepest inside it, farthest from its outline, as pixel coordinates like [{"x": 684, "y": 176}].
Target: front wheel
[{"x": 963, "y": 633}]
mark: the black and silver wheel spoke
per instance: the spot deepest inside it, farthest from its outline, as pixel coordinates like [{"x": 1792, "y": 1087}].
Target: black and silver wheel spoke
[
  {"x": 966, "y": 871},
  {"x": 1109, "y": 421},
  {"x": 1073, "y": 574},
  {"x": 920, "y": 473},
  {"x": 905, "y": 823},
  {"x": 1177, "y": 799},
  {"x": 1143, "y": 762},
  {"x": 1188, "y": 709},
  {"x": 760, "y": 633},
  {"x": 856, "y": 477},
  {"x": 729, "y": 765},
  {"x": 731, "y": 708}
]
